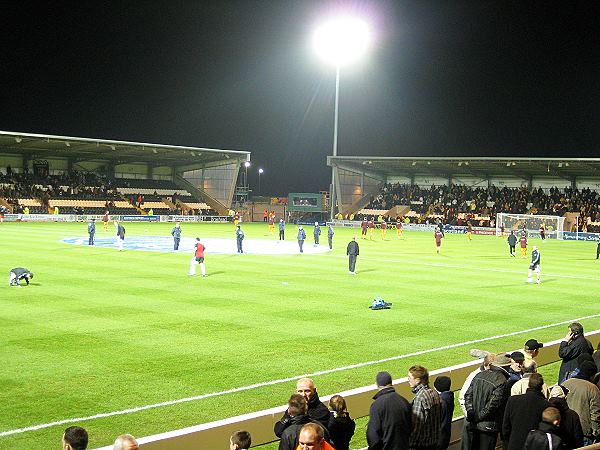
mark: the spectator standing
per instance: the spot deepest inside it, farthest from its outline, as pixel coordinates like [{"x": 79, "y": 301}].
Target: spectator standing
[
  {"x": 570, "y": 432},
  {"x": 341, "y": 426},
  {"x": 573, "y": 345},
  {"x": 515, "y": 371},
  {"x": 521, "y": 386},
  {"x": 546, "y": 436},
  {"x": 352, "y": 251},
  {"x": 485, "y": 401},
  {"x": 317, "y": 411},
  {"x": 442, "y": 385},
  {"x": 126, "y": 442},
  {"x": 312, "y": 437},
  {"x": 75, "y": 438},
  {"x": 240, "y": 440},
  {"x": 531, "y": 349},
  {"x": 523, "y": 413},
  {"x": 390, "y": 414},
  {"x": 176, "y": 233},
  {"x": 91, "y": 231},
  {"x": 584, "y": 399},
  {"x": 296, "y": 412},
  {"x": 426, "y": 411}
]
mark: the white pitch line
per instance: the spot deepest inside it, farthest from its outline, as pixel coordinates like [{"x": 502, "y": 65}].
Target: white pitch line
[{"x": 282, "y": 380}]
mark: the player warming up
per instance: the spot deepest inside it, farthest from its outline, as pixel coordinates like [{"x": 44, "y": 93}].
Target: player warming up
[
  {"x": 542, "y": 232},
  {"x": 18, "y": 274},
  {"x": 198, "y": 258},
  {"x": 438, "y": 240},
  {"x": 523, "y": 242},
  {"x": 535, "y": 265},
  {"x": 512, "y": 242}
]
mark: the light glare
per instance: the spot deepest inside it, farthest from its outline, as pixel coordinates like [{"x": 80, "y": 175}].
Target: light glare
[{"x": 342, "y": 41}]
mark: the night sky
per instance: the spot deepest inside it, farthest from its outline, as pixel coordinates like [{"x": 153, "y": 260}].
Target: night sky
[{"x": 444, "y": 78}]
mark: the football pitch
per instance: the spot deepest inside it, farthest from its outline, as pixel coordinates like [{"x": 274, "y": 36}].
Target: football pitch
[{"x": 132, "y": 344}]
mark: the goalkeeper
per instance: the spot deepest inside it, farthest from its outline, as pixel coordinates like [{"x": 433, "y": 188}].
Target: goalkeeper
[
  {"x": 17, "y": 274},
  {"x": 535, "y": 265}
]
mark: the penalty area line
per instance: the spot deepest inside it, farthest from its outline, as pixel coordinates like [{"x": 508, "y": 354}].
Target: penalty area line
[{"x": 284, "y": 380}]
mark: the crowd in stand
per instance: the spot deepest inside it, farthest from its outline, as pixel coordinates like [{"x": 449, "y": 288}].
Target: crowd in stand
[
  {"x": 82, "y": 186},
  {"x": 450, "y": 201},
  {"x": 504, "y": 400}
]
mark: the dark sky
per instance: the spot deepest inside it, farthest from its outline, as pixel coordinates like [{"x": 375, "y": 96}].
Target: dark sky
[{"x": 444, "y": 78}]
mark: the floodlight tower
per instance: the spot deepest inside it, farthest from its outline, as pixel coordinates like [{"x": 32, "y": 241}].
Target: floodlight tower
[
  {"x": 340, "y": 42},
  {"x": 260, "y": 172}
]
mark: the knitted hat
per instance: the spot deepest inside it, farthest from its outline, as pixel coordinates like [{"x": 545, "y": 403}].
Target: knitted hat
[
  {"x": 383, "y": 379},
  {"x": 442, "y": 384}
]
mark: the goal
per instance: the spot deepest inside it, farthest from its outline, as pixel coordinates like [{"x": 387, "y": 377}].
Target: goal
[{"x": 531, "y": 222}]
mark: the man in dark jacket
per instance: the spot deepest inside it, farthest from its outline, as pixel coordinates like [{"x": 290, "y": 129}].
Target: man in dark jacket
[
  {"x": 442, "y": 385},
  {"x": 296, "y": 411},
  {"x": 573, "y": 345},
  {"x": 523, "y": 413},
  {"x": 389, "y": 424},
  {"x": 352, "y": 251},
  {"x": 317, "y": 411},
  {"x": 484, "y": 401},
  {"x": 570, "y": 430},
  {"x": 546, "y": 436}
]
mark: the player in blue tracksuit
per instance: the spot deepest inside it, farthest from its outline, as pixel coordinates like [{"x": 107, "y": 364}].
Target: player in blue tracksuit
[
  {"x": 176, "y": 233},
  {"x": 330, "y": 234},
  {"x": 281, "y": 230},
  {"x": 317, "y": 233},
  {"x": 301, "y": 237},
  {"x": 535, "y": 265},
  {"x": 91, "y": 231},
  {"x": 239, "y": 237}
]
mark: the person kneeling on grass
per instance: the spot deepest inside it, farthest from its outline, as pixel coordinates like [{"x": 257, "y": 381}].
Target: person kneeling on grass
[{"x": 17, "y": 274}]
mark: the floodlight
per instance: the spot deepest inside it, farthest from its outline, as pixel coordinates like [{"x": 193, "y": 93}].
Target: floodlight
[
  {"x": 246, "y": 164},
  {"x": 342, "y": 40}
]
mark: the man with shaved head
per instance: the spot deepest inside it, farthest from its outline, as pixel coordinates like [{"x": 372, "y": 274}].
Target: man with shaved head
[
  {"x": 126, "y": 442},
  {"x": 317, "y": 411}
]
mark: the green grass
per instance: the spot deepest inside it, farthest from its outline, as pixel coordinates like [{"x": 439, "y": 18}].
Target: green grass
[{"x": 101, "y": 331}]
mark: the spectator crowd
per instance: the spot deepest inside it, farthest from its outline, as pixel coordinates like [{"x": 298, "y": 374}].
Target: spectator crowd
[
  {"x": 455, "y": 201},
  {"x": 505, "y": 401}
]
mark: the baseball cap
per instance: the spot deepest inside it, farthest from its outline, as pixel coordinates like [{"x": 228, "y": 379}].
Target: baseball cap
[
  {"x": 517, "y": 357},
  {"x": 532, "y": 344}
]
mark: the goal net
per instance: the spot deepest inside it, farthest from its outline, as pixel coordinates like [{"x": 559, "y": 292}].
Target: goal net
[{"x": 553, "y": 225}]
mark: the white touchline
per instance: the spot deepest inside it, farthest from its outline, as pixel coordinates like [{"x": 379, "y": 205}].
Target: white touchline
[{"x": 283, "y": 380}]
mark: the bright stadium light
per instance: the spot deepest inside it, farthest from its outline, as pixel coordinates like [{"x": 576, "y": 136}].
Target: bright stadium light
[
  {"x": 342, "y": 41},
  {"x": 339, "y": 42}
]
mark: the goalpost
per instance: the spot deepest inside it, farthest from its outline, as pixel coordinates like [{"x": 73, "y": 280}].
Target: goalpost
[{"x": 531, "y": 222}]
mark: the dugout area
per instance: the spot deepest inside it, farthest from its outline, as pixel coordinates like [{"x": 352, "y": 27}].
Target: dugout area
[{"x": 208, "y": 174}]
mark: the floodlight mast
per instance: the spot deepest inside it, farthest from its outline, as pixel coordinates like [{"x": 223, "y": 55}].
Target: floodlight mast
[{"x": 341, "y": 42}]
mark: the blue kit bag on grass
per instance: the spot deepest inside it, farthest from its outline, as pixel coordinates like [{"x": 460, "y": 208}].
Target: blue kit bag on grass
[{"x": 379, "y": 303}]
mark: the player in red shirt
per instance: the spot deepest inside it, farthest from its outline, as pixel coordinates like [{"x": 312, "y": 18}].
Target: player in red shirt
[
  {"x": 383, "y": 229},
  {"x": 542, "y": 232},
  {"x": 363, "y": 228},
  {"x": 469, "y": 230},
  {"x": 198, "y": 258},
  {"x": 371, "y": 225},
  {"x": 523, "y": 242},
  {"x": 105, "y": 220},
  {"x": 438, "y": 240},
  {"x": 399, "y": 227}
]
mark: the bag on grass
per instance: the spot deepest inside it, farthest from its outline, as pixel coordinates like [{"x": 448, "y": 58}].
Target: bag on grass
[{"x": 379, "y": 303}]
